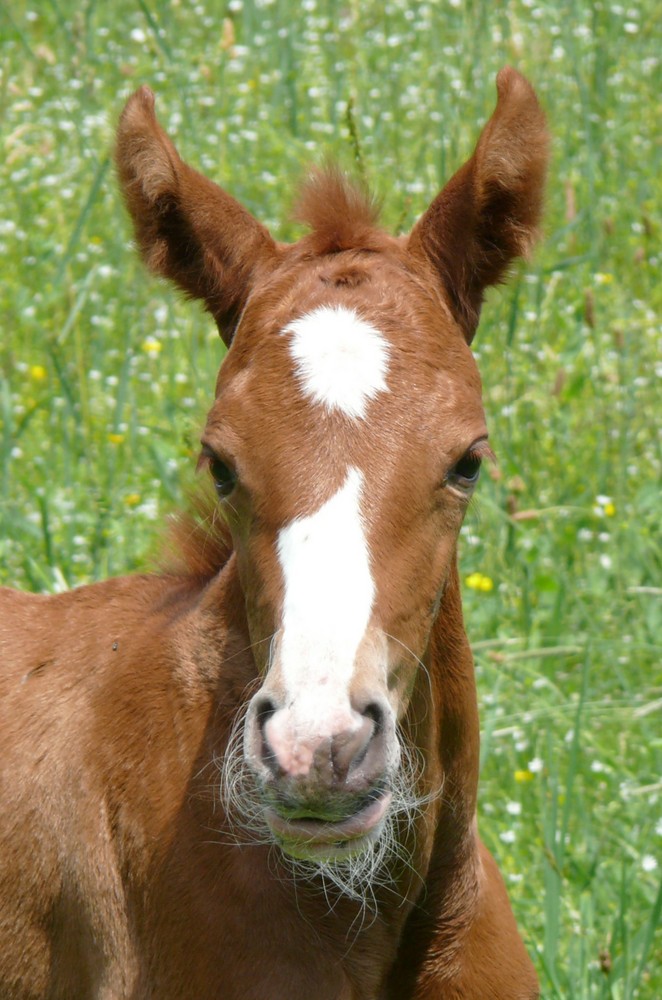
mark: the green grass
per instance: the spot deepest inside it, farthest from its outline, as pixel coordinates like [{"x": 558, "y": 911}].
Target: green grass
[{"x": 106, "y": 374}]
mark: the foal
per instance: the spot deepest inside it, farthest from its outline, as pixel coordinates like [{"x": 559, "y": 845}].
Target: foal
[{"x": 307, "y": 655}]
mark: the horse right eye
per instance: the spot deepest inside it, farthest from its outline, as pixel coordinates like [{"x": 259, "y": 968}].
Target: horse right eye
[{"x": 223, "y": 476}]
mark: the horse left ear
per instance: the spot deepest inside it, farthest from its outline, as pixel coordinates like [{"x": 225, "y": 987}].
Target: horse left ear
[
  {"x": 187, "y": 228},
  {"x": 488, "y": 213}
]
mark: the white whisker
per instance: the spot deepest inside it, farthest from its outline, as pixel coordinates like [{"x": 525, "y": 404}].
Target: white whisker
[
  {"x": 360, "y": 877},
  {"x": 414, "y": 657}
]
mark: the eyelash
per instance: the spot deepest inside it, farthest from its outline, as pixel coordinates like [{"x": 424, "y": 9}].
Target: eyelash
[{"x": 465, "y": 479}]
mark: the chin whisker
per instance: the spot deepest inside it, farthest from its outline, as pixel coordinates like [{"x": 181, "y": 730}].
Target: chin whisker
[{"x": 362, "y": 876}]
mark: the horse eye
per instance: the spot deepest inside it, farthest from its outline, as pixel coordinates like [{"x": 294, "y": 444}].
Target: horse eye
[
  {"x": 224, "y": 477},
  {"x": 465, "y": 473}
]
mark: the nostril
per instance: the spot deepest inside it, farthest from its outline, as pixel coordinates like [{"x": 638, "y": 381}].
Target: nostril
[
  {"x": 264, "y": 709},
  {"x": 348, "y": 749},
  {"x": 375, "y": 712},
  {"x": 366, "y": 760}
]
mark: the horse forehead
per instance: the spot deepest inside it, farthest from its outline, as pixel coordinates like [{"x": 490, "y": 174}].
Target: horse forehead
[
  {"x": 340, "y": 360},
  {"x": 340, "y": 376},
  {"x": 345, "y": 350}
]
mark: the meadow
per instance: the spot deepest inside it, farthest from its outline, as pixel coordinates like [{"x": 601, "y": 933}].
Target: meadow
[{"x": 106, "y": 374}]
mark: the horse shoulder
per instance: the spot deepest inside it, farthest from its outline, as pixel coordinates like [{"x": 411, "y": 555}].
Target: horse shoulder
[
  {"x": 99, "y": 721},
  {"x": 462, "y": 940}
]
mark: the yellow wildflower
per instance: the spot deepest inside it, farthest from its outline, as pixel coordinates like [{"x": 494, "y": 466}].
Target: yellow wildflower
[
  {"x": 523, "y": 776},
  {"x": 38, "y": 373},
  {"x": 609, "y": 509},
  {"x": 132, "y": 499},
  {"x": 151, "y": 346},
  {"x": 116, "y": 438},
  {"x": 478, "y": 581}
]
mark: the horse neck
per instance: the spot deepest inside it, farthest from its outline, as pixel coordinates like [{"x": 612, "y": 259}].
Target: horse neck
[{"x": 223, "y": 638}]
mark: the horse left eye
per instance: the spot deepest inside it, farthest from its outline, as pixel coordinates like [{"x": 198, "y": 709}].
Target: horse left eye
[{"x": 465, "y": 473}]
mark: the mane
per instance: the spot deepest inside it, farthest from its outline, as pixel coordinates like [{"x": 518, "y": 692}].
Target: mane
[
  {"x": 197, "y": 542},
  {"x": 342, "y": 213}
]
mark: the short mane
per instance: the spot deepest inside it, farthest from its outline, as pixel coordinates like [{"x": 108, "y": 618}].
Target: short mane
[
  {"x": 342, "y": 213},
  {"x": 198, "y": 542}
]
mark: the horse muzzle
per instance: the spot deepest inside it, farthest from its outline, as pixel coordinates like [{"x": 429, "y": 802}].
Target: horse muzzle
[{"x": 325, "y": 780}]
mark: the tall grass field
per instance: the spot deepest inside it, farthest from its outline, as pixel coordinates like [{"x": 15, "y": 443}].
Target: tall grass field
[{"x": 106, "y": 373}]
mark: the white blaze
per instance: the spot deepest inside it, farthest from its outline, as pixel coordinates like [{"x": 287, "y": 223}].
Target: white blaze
[
  {"x": 329, "y": 592},
  {"x": 341, "y": 360}
]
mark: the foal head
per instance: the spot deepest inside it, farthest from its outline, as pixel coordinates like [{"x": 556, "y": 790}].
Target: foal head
[{"x": 344, "y": 442}]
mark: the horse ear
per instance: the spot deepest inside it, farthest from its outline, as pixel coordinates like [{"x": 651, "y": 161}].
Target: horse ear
[
  {"x": 187, "y": 228},
  {"x": 488, "y": 213}
]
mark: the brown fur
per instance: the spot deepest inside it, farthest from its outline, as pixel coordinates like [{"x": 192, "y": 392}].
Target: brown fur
[
  {"x": 341, "y": 215},
  {"x": 122, "y": 874},
  {"x": 198, "y": 542}
]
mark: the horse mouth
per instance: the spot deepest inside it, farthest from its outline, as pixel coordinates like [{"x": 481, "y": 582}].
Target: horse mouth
[{"x": 310, "y": 838}]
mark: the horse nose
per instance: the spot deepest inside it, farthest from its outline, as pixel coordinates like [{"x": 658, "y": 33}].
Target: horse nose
[{"x": 352, "y": 756}]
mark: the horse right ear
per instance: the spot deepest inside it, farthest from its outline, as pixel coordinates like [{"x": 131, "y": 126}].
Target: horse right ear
[{"x": 187, "y": 228}]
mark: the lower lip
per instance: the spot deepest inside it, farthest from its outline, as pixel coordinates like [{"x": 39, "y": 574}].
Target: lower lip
[{"x": 312, "y": 839}]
